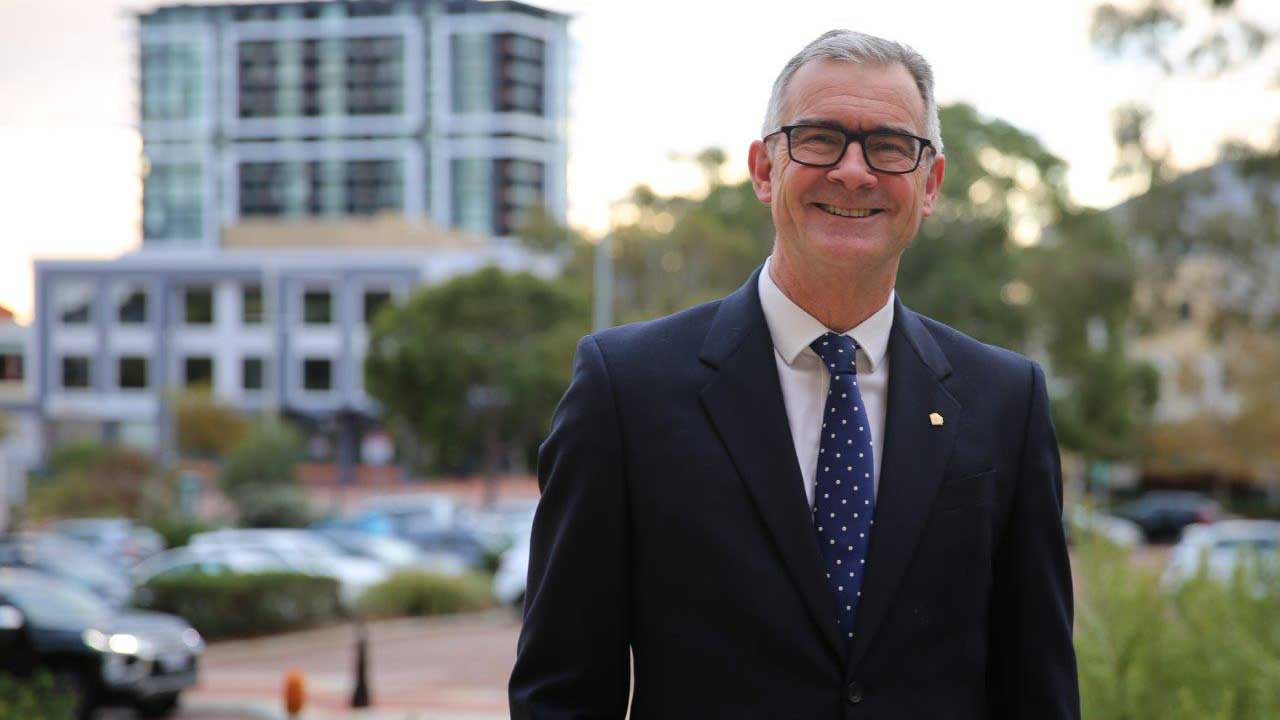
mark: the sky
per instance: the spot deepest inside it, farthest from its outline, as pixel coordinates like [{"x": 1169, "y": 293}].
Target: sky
[{"x": 651, "y": 82}]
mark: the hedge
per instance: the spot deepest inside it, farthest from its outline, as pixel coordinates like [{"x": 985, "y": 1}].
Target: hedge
[
  {"x": 226, "y": 606},
  {"x": 417, "y": 593}
]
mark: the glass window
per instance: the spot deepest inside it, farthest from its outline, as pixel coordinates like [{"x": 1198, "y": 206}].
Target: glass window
[
  {"x": 132, "y": 305},
  {"x": 262, "y": 188},
  {"x": 252, "y": 373},
  {"x": 11, "y": 366},
  {"x": 74, "y": 301},
  {"x": 198, "y": 306},
  {"x": 75, "y": 371},
  {"x": 251, "y": 305},
  {"x": 317, "y": 307},
  {"x": 375, "y": 300},
  {"x": 259, "y": 78},
  {"x": 198, "y": 371},
  {"x": 171, "y": 81},
  {"x": 473, "y": 72},
  {"x": 317, "y": 374},
  {"x": 472, "y": 197},
  {"x": 374, "y": 75},
  {"x": 172, "y": 199},
  {"x": 133, "y": 373}
]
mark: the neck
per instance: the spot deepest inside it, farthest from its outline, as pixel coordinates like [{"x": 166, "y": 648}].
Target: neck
[{"x": 840, "y": 298}]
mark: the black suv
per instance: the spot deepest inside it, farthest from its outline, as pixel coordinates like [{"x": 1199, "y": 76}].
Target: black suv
[{"x": 102, "y": 656}]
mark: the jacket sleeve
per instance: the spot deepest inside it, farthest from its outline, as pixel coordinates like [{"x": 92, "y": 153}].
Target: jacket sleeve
[
  {"x": 1032, "y": 671},
  {"x": 572, "y": 659}
]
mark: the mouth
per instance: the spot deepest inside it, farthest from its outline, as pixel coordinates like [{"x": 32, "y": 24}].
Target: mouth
[{"x": 848, "y": 212}]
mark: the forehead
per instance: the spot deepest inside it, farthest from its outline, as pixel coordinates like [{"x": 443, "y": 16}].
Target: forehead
[{"x": 857, "y": 96}]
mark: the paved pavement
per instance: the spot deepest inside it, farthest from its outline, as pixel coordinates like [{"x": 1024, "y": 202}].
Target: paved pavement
[{"x": 452, "y": 668}]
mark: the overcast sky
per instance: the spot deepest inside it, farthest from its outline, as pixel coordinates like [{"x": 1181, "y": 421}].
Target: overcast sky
[{"x": 651, "y": 79}]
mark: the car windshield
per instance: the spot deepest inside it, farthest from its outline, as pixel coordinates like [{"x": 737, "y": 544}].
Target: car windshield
[
  {"x": 84, "y": 569},
  {"x": 1262, "y": 545},
  {"x": 387, "y": 550},
  {"x": 51, "y": 604}
]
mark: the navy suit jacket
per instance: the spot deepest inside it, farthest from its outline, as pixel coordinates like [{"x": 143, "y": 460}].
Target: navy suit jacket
[{"x": 673, "y": 539}]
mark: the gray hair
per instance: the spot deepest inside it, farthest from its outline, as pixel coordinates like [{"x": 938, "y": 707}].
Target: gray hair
[{"x": 862, "y": 49}]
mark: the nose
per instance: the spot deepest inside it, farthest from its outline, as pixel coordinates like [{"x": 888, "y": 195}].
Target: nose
[{"x": 852, "y": 171}]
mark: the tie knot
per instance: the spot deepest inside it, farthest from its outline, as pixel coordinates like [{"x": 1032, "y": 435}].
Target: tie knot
[{"x": 837, "y": 352}]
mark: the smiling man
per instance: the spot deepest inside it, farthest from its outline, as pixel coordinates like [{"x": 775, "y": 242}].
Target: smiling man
[{"x": 805, "y": 500}]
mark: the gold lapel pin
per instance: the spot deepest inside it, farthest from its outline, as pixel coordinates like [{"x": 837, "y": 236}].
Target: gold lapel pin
[{"x": 935, "y": 419}]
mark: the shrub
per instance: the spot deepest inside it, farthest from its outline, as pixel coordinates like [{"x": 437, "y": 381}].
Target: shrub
[
  {"x": 260, "y": 477},
  {"x": 38, "y": 696},
  {"x": 205, "y": 428},
  {"x": 280, "y": 506},
  {"x": 418, "y": 593},
  {"x": 177, "y": 529},
  {"x": 268, "y": 455},
  {"x": 224, "y": 606},
  {"x": 89, "y": 479},
  {"x": 1204, "y": 651}
]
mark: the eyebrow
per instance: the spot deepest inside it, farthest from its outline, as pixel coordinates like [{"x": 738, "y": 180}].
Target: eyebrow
[{"x": 822, "y": 122}]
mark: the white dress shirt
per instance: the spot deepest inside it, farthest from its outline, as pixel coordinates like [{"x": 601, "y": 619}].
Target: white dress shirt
[{"x": 804, "y": 380}]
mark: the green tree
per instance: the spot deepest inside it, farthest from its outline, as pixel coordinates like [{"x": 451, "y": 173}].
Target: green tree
[
  {"x": 259, "y": 476},
  {"x": 473, "y": 368}
]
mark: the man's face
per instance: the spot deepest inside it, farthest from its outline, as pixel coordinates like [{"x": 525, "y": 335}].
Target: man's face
[{"x": 804, "y": 200}]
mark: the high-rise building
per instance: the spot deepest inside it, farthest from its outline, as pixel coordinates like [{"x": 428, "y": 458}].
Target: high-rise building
[{"x": 451, "y": 111}]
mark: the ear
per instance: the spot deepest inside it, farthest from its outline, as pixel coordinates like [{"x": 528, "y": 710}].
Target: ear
[
  {"x": 760, "y": 165},
  {"x": 933, "y": 183}
]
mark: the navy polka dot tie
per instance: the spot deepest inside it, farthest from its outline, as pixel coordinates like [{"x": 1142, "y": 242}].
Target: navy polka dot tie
[{"x": 844, "y": 490}]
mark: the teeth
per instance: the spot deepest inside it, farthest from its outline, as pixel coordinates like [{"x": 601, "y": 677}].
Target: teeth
[{"x": 845, "y": 213}]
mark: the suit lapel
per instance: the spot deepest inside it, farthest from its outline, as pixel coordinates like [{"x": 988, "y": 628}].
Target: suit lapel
[
  {"x": 915, "y": 454},
  {"x": 744, "y": 402}
]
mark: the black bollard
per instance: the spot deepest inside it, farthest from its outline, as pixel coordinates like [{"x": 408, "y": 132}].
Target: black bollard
[{"x": 360, "y": 697}]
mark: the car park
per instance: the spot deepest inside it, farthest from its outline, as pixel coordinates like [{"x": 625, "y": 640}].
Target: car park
[
  {"x": 501, "y": 526},
  {"x": 512, "y": 574},
  {"x": 394, "y": 552},
  {"x": 68, "y": 560},
  {"x": 1162, "y": 515},
  {"x": 1083, "y": 521},
  {"x": 303, "y": 551},
  {"x": 118, "y": 539},
  {"x": 1225, "y": 548},
  {"x": 206, "y": 561},
  {"x": 97, "y": 654}
]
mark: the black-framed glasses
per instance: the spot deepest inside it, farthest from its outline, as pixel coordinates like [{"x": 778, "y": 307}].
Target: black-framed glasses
[{"x": 886, "y": 151}]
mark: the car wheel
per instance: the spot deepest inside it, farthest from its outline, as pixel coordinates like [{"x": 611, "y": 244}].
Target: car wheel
[{"x": 158, "y": 707}]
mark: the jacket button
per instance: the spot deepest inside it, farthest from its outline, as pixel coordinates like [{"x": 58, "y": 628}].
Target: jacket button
[{"x": 855, "y": 693}]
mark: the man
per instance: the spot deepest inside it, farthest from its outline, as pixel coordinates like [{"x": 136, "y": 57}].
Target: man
[{"x": 804, "y": 500}]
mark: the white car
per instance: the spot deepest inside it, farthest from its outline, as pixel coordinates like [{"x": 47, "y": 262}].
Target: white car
[
  {"x": 305, "y": 552},
  {"x": 394, "y": 552},
  {"x": 1083, "y": 520},
  {"x": 1223, "y": 547},
  {"x": 513, "y": 572},
  {"x": 501, "y": 526},
  {"x": 206, "y": 560}
]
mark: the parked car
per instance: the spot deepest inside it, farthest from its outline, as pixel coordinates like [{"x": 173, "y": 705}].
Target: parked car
[
  {"x": 99, "y": 655},
  {"x": 410, "y": 513},
  {"x": 1163, "y": 514},
  {"x": 117, "y": 539},
  {"x": 513, "y": 572},
  {"x": 205, "y": 560},
  {"x": 68, "y": 560},
  {"x": 1224, "y": 548},
  {"x": 393, "y": 552},
  {"x": 303, "y": 551},
  {"x": 1082, "y": 521},
  {"x": 501, "y": 526},
  {"x": 455, "y": 541}
]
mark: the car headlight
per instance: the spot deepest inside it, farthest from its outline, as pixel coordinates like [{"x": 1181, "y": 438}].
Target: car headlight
[
  {"x": 117, "y": 643},
  {"x": 191, "y": 638}
]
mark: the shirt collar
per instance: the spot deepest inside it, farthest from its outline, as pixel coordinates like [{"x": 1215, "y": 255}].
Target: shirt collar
[{"x": 793, "y": 329}]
